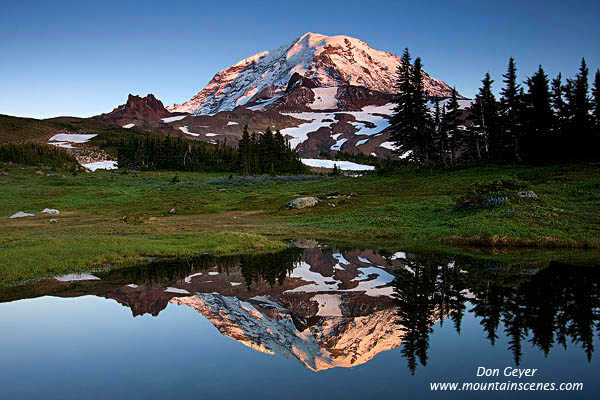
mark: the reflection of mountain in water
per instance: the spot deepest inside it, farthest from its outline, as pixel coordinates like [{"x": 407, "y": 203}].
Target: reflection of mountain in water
[
  {"x": 324, "y": 342},
  {"x": 333, "y": 310}
]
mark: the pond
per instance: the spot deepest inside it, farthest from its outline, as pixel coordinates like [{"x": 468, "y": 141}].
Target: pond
[{"x": 304, "y": 323}]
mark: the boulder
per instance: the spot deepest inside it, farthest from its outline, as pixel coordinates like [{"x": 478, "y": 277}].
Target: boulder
[
  {"x": 50, "y": 211},
  {"x": 528, "y": 194},
  {"x": 303, "y": 202},
  {"x": 172, "y": 211},
  {"x": 21, "y": 214}
]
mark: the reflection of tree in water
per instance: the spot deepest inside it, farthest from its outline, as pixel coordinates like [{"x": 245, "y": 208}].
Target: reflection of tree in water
[
  {"x": 269, "y": 267},
  {"x": 556, "y": 305},
  {"x": 425, "y": 290},
  {"x": 169, "y": 270}
]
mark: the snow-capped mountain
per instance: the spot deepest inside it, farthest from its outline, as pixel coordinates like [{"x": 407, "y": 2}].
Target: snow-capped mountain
[{"x": 326, "y": 63}]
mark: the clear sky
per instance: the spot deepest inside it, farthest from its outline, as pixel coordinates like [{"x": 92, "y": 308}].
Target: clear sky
[{"x": 83, "y": 58}]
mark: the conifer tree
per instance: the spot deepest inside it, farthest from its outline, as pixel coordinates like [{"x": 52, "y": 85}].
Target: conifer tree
[
  {"x": 439, "y": 137},
  {"x": 579, "y": 107},
  {"x": 510, "y": 112},
  {"x": 450, "y": 124},
  {"x": 423, "y": 122},
  {"x": 411, "y": 122},
  {"x": 538, "y": 115},
  {"x": 485, "y": 117},
  {"x": 559, "y": 107},
  {"x": 596, "y": 101},
  {"x": 244, "y": 155},
  {"x": 403, "y": 118}
]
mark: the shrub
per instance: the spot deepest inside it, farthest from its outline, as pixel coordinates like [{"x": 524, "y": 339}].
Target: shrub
[{"x": 490, "y": 194}]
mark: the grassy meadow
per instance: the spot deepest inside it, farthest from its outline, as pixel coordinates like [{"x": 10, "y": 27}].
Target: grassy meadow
[{"x": 113, "y": 218}]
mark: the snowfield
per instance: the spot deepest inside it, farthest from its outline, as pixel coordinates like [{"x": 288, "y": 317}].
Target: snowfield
[
  {"x": 128, "y": 126},
  {"x": 329, "y": 305},
  {"x": 184, "y": 129},
  {"x": 176, "y": 290},
  {"x": 71, "y": 137},
  {"x": 64, "y": 145},
  {"x": 324, "y": 98},
  {"x": 388, "y": 145},
  {"x": 373, "y": 281},
  {"x": 101, "y": 165},
  {"x": 343, "y": 165},
  {"x": 338, "y": 145},
  {"x": 76, "y": 277},
  {"x": 371, "y": 114},
  {"x": 173, "y": 119},
  {"x": 188, "y": 279},
  {"x": 263, "y": 103},
  {"x": 315, "y": 120}
]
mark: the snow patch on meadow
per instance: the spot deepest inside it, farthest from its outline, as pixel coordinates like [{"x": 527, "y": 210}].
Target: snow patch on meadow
[
  {"x": 343, "y": 165},
  {"x": 76, "y": 277},
  {"x": 64, "y": 145},
  {"x": 72, "y": 137},
  {"x": 101, "y": 165}
]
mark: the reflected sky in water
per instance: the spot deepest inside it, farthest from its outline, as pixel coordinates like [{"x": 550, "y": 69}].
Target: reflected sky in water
[{"x": 248, "y": 329}]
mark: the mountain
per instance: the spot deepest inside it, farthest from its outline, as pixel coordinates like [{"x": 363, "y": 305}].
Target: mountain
[
  {"x": 322, "y": 61},
  {"x": 145, "y": 112},
  {"x": 325, "y": 94}
]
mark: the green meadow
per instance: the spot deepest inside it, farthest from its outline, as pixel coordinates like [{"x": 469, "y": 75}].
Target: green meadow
[{"x": 113, "y": 218}]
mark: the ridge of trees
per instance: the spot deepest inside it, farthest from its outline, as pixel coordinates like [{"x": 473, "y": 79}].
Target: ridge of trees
[
  {"x": 257, "y": 153},
  {"x": 536, "y": 121}
]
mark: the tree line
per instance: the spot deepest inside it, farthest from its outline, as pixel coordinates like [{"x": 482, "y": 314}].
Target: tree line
[
  {"x": 537, "y": 121},
  {"x": 165, "y": 152},
  {"x": 257, "y": 153},
  {"x": 267, "y": 153},
  {"x": 36, "y": 154}
]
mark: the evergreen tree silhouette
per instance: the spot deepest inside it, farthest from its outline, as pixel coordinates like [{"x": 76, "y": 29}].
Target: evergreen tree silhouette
[{"x": 510, "y": 106}]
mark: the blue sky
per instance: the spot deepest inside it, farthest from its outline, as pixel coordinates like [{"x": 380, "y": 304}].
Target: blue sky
[{"x": 72, "y": 58}]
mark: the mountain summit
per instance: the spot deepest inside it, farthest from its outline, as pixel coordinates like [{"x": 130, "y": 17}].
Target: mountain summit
[{"x": 325, "y": 61}]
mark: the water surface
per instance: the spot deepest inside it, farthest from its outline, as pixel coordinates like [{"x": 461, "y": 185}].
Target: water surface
[{"x": 303, "y": 323}]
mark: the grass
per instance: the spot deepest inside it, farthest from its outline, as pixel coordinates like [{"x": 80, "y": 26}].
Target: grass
[{"x": 410, "y": 210}]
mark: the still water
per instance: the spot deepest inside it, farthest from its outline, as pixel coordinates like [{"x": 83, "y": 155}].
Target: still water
[{"x": 303, "y": 323}]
